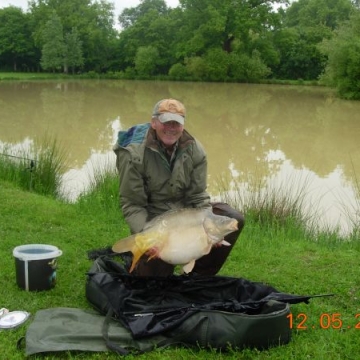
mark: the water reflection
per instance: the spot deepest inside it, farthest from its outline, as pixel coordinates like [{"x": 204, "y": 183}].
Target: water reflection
[{"x": 280, "y": 129}]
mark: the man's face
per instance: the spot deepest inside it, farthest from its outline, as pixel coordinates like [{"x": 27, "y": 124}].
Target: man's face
[{"x": 169, "y": 132}]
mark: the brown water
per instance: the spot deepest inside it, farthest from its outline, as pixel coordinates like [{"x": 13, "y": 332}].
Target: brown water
[{"x": 290, "y": 136}]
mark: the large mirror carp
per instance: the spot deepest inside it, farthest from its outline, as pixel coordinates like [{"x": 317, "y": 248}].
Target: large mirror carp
[{"x": 178, "y": 237}]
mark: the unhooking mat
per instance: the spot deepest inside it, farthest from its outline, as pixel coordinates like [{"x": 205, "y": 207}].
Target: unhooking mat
[{"x": 136, "y": 314}]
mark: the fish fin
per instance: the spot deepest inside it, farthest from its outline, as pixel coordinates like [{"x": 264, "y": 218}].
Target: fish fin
[
  {"x": 189, "y": 266},
  {"x": 137, "y": 253},
  {"x": 147, "y": 240},
  {"x": 143, "y": 241},
  {"x": 224, "y": 242},
  {"x": 153, "y": 253},
  {"x": 124, "y": 245}
]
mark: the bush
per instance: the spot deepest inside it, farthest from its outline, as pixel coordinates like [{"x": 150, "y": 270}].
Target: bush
[
  {"x": 245, "y": 68},
  {"x": 196, "y": 67},
  {"x": 217, "y": 63},
  {"x": 178, "y": 72},
  {"x": 92, "y": 75},
  {"x": 146, "y": 60}
]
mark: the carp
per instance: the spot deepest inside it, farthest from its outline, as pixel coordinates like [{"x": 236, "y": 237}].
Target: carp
[{"x": 178, "y": 237}]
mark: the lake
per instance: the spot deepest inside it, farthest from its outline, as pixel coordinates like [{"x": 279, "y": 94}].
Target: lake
[{"x": 289, "y": 136}]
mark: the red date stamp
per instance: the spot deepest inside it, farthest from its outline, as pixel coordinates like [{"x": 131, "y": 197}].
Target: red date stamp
[{"x": 325, "y": 321}]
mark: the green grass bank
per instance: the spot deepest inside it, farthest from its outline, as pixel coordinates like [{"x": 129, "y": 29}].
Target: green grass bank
[
  {"x": 281, "y": 257},
  {"x": 28, "y": 76}
]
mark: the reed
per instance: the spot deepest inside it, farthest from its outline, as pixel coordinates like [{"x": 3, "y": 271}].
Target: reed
[
  {"x": 352, "y": 213},
  {"x": 275, "y": 204},
  {"x": 103, "y": 185},
  {"x": 16, "y": 168},
  {"x": 36, "y": 166}
]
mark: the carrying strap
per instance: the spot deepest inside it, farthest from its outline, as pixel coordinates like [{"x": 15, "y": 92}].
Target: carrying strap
[{"x": 105, "y": 333}]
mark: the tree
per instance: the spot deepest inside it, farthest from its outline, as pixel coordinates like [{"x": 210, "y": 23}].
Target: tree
[
  {"x": 237, "y": 33},
  {"x": 54, "y": 47},
  {"x": 318, "y": 13},
  {"x": 153, "y": 24},
  {"x": 130, "y": 16},
  {"x": 208, "y": 30},
  {"x": 299, "y": 56},
  {"x": 98, "y": 36},
  {"x": 222, "y": 23},
  {"x": 93, "y": 21},
  {"x": 73, "y": 56},
  {"x": 343, "y": 52},
  {"x": 15, "y": 37},
  {"x": 145, "y": 60},
  {"x": 305, "y": 24}
]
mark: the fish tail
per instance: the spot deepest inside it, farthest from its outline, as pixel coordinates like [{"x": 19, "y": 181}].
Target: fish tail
[
  {"x": 124, "y": 245},
  {"x": 139, "y": 244},
  {"x": 129, "y": 244}
]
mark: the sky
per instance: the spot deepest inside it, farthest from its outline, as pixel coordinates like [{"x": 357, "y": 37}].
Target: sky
[{"x": 120, "y": 5}]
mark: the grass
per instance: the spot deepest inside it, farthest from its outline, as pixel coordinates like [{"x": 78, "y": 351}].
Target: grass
[
  {"x": 32, "y": 76},
  {"x": 279, "y": 257},
  {"x": 25, "y": 76},
  {"x": 274, "y": 248}
]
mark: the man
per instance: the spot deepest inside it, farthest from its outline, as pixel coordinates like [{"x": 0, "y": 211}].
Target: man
[{"x": 162, "y": 167}]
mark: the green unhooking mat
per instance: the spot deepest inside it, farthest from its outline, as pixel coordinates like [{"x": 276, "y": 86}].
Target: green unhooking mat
[{"x": 139, "y": 314}]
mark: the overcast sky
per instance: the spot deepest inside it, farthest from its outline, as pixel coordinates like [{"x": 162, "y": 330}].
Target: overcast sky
[{"x": 119, "y": 4}]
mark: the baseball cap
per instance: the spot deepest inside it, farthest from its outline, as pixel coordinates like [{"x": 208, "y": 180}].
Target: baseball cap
[{"x": 170, "y": 110}]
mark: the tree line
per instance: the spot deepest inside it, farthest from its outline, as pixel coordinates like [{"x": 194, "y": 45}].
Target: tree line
[{"x": 212, "y": 40}]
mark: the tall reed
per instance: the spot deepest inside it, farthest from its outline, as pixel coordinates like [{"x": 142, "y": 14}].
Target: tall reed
[
  {"x": 276, "y": 204},
  {"x": 17, "y": 168},
  {"x": 103, "y": 188},
  {"x": 36, "y": 166},
  {"x": 352, "y": 213}
]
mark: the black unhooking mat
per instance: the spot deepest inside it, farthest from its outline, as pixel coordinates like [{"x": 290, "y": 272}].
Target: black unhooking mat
[
  {"x": 147, "y": 312},
  {"x": 216, "y": 311}
]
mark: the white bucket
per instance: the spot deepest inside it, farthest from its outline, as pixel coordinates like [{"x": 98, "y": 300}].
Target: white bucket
[{"x": 36, "y": 266}]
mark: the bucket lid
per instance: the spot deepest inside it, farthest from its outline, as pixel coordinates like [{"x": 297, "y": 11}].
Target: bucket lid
[
  {"x": 13, "y": 319},
  {"x": 36, "y": 252}
]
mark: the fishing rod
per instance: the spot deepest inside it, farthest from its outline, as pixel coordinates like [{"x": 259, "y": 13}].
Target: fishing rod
[
  {"x": 32, "y": 161},
  {"x": 31, "y": 168}
]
